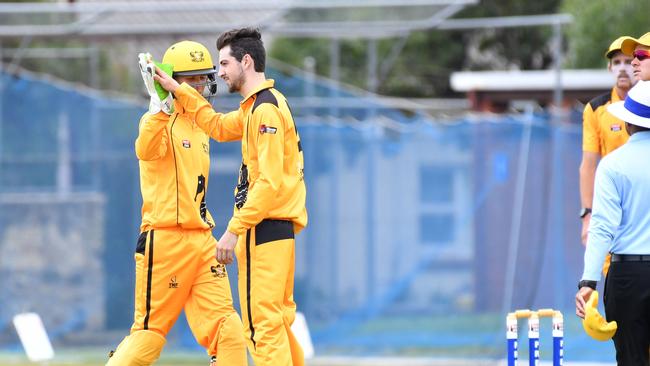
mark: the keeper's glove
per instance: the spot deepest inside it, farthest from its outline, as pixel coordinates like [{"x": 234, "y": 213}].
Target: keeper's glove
[
  {"x": 594, "y": 323},
  {"x": 160, "y": 99}
]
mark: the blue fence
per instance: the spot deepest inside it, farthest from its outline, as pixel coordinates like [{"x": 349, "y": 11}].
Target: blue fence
[{"x": 422, "y": 233}]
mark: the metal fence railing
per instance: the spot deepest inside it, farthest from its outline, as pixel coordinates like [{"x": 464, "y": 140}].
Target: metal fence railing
[{"x": 422, "y": 235}]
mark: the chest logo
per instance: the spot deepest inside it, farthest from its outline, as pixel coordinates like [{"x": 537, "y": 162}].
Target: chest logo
[
  {"x": 615, "y": 127},
  {"x": 186, "y": 144},
  {"x": 268, "y": 129}
]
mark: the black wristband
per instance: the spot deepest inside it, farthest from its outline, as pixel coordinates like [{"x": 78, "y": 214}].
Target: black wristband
[
  {"x": 587, "y": 283},
  {"x": 584, "y": 212}
]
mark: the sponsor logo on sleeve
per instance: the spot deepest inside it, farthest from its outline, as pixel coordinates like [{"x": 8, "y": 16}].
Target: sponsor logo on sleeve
[{"x": 268, "y": 129}]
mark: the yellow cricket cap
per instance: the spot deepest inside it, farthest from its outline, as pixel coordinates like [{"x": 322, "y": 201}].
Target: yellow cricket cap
[
  {"x": 628, "y": 45},
  {"x": 617, "y": 45}
]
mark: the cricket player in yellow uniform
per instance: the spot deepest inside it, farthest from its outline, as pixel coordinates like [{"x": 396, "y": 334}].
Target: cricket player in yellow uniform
[
  {"x": 175, "y": 264},
  {"x": 602, "y": 133},
  {"x": 269, "y": 198},
  {"x": 639, "y": 48}
]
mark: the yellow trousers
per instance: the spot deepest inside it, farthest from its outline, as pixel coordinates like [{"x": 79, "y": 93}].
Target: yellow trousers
[
  {"x": 176, "y": 269},
  {"x": 266, "y": 256}
]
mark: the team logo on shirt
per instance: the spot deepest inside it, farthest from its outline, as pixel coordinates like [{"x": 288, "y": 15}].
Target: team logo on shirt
[
  {"x": 218, "y": 271},
  {"x": 242, "y": 186},
  {"x": 173, "y": 283},
  {"x": 615, "y": 127},
  {"x": 206, "y": 148},
  {"x": 268, "y": 129},
  {"x": 186, "y": 144}
]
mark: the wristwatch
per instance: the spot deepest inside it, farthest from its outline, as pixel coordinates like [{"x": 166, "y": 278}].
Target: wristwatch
[
  {"x": 587, "y": 283},
  {"x": 584, "y": 212}
]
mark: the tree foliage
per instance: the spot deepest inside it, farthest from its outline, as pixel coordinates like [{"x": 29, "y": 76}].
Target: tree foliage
[
  {"x": 429, "y": 57},
  {"x": 525, "y": 48},
  {"x": 599, "y": 22}
]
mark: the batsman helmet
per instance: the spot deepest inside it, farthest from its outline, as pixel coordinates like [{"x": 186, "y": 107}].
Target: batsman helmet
[{"x": 191, "y": 58}]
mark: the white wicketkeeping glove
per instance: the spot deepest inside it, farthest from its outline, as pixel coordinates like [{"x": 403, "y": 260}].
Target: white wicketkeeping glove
[{"x": 157, "y": 102}]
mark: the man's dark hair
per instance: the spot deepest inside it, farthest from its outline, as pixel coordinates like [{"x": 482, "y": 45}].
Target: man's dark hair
[{"x": 244, "y": 41}]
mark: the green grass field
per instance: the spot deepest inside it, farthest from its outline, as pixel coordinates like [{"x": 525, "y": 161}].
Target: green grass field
[
  {"x": 92, "y": 358},
  {"x": 470, "y": 354},
  {"x": 96, "y": 357}
]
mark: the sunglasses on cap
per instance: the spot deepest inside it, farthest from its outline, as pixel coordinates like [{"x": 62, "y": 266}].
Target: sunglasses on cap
[{"x": 641, "y": 54}]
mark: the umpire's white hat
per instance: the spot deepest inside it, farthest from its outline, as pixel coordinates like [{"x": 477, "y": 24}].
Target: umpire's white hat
[{"x": 636, "y": 107}]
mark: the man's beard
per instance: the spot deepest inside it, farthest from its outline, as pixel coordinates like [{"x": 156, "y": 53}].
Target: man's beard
[
  {"x": 626, "y": 69},
  {"x": 236, "y": 84}
]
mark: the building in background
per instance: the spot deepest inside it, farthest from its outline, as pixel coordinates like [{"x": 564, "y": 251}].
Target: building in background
[{"x": 506, "y": 91}]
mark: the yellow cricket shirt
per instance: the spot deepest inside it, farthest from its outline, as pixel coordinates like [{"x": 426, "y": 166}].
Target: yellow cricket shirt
[
  {"x": 271, "y": 181},
  {"x": 174, "y": 156},
  {"x": 602, "y": 132}
]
